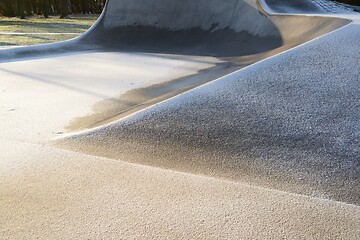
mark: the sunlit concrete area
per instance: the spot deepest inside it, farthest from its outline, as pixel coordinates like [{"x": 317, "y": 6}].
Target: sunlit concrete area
[{"x": 208, "y": 119}]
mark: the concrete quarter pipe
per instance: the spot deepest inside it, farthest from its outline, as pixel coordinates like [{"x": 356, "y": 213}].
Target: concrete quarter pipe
[{"x": 134, "y": 139}]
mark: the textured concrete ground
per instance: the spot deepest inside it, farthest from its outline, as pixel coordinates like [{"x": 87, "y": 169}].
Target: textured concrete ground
[{"x": 267, "y": 152}]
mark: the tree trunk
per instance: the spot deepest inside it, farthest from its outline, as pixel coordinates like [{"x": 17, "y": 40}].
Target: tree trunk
[
  {"x": 45, "y": 7},
  {"x": 21, "y": 8},
  {"x": 65, "y": 9}
]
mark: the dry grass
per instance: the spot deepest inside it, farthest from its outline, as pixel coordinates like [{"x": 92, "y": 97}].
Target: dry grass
[{"x": 36, "y": 29}]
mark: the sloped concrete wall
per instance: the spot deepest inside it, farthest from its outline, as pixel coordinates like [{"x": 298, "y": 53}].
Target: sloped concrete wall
[{"x": 238, "y": 15}]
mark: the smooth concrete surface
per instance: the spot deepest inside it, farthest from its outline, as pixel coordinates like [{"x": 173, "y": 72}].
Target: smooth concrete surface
[
  {"x": 48, "y": 94},
  {"x": 175, "y": 15},
  {"x": 102, "y": 137}
]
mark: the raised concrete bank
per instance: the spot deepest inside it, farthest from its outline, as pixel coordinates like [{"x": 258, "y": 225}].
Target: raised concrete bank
[{"x": 247, "y": 136}]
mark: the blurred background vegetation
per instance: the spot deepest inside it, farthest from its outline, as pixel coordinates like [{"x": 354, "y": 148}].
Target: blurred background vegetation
[
  {"x": 29, "y": 22},
  {"x": 351, "y": 2},
  {"x": 38, "y": 29},
  {"x": 63, "y": 8}
]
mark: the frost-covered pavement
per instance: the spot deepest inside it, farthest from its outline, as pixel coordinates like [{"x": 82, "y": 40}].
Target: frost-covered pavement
[
  {"x": 334, "y": 7},
  {"x": 268, "y": 152},
  {"x": 294, "y": 118}
]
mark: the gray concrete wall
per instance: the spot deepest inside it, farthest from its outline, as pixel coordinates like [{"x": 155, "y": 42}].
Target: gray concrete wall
[{"x": 238, "y": 15}]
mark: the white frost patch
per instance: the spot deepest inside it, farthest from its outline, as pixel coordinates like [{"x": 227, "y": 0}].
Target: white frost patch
[{"x": 333, "y": 7}]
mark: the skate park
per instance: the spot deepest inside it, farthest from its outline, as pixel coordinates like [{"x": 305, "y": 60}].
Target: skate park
[{"x": 233, "y": 119}]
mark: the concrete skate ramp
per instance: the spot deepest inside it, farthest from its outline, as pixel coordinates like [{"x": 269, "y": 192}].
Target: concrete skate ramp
[
  {"x": 204, "y": 27},
  {"x": 236, "y": 32},
  {"x": 245, "y": 128},
  {"x": 228, "y": 28}
]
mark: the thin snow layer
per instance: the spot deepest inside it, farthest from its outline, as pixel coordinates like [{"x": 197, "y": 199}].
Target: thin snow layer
[{"x": 291, "y": 122}]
